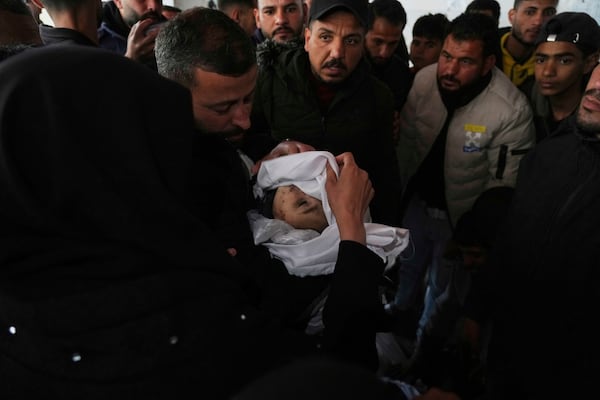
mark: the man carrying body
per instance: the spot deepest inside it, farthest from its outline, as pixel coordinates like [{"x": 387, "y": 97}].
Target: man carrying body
[
  {"x": 463, "y": 130},
  {"x": 323, "y": 95},
  {"x": 280, "y": 20},
  {"x": 518, "y": 44},
  {"x": 385, "y": 24},
  {"x": 566, "y": 52}
]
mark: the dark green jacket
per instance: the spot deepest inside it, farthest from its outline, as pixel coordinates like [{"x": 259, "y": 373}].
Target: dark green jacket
[{"x": 359, "y": 120}]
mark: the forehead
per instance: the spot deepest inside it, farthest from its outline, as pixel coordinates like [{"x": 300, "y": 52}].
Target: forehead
[
  {"x": 278, "y": 3},
  {"x": 338, "y": 19},
  {"x": 382, "y": 26},
  {"x": 540, "y": 4},
  {"x": 463, "y": 48},
  {"x": 560, "y": 47},
  {"x": 212, "y": 87}
]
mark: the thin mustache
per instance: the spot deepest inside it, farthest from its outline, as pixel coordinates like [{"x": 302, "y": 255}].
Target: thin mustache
[
  {"x": 450, "y": 78},
  {"x": 282, "y": 29},
  {"x": 334, "y": 63}
]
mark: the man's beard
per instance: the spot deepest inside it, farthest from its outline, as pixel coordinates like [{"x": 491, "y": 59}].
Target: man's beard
[{"x": 586, "y": 126}]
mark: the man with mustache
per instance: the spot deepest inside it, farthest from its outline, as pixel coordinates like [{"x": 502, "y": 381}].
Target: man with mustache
[
  {"x": 518, "y": 44},
  {"x": 464, "y": 129},
  {"x": 566, "y": 53},
  {"x": 322, "y": 94},
  {"x": 545, "y": 283},
  {"x": 280, "y": 20},
  {"x": 129, "y": 27}
]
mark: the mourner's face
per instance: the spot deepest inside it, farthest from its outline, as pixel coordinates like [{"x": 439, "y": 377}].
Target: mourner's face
[
  {"x": 281, "y": 20},
  {"x": 462, "y": 64},
  {"x": 335, "y": 46},
  {"x": 529, "y": 16},
  {"x": 222, "y": 103},
  {"x": 559, "y": 68},
  {"x": 424, "y": 51},
  {"x": 588, "y": 115},
  {"x": 133, "y": 10},
  {"x": 298, "y": 209},
  {"x": 382, "y": 40}
]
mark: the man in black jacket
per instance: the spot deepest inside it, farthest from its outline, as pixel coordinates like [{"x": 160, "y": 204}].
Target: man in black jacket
[{"x": 545, "y": 340}]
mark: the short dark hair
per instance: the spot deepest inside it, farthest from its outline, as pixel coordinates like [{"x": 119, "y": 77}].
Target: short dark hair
[
  {"x": 476, "y": 26},
  {"x": 225, "y": 4},
  {"x": 203, "y": 38},
  {"x": 518, "y": 2},
  {"x": 431, "y": 26},
  {"x": 391, "y": 10},
  {"x": 479, "y": 5},
  {"x": 167, "y": 7}
]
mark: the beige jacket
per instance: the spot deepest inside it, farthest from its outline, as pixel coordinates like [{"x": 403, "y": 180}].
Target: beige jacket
[{"x": 486, "y": 138}]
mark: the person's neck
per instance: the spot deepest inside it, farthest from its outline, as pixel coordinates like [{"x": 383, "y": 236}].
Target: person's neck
[
  {"x": 564, "y": 104},
  {"x": 82, "y": 21},
  {"x": 518, "y": 49}
]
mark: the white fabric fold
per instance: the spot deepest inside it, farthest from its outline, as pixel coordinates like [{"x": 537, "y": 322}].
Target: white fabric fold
[{"x": 303, "y": 251}]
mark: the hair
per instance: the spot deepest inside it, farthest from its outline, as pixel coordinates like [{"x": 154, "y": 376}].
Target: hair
[
  {"x": 476, "y": 26},
  {"x": 478, "y": 5},
  {"x": 223, "y": 5},
  {"x": 431, "y": 26},
  {"x": 166, "y": 7},
  {"x": 518, "y": 2},
  {"x": 203, "y": 38},
  {"x": 15, "y": 7},
  {"x": 391, "y": 10}
]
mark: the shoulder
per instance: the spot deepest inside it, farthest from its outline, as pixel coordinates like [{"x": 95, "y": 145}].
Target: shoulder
[
  {"x": 505, "y": 93},
  {"x": 270, "y": 54}
]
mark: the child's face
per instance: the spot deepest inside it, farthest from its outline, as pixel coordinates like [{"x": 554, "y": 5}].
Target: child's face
[{"x": 298, "y": 209}]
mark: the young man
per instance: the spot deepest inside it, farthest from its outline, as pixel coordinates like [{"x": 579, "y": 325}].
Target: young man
[
  {"x": 464, "y": 129},
  {"x": 518, "y": 44},
  {"x": 280, "y": 20},
  {"x": 324, "y": 95},
  {"x": 385, "y": 24},
  {"x": 566, "y": 52},
  {"x": 428, "y": 36}
]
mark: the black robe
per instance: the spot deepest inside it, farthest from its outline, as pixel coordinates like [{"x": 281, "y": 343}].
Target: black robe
[{"x": 112, "y": 285}]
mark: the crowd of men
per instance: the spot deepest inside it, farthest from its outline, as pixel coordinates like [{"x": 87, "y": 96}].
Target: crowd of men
[{"x": 131, "y": 136}]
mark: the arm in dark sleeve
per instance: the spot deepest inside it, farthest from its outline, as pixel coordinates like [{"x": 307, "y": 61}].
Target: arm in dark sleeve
[{"x": 353, "y": 305}]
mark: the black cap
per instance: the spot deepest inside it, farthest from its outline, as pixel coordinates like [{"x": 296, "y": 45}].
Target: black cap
[
  {"x": 574, "y": 27},
  {"x": 319, "y": 8}
]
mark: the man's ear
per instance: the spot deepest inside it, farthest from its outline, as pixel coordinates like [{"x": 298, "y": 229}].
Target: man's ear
[
  {"x": 305, "y": 13},
  {"x": 306, "y": 37},
  {"x": 511, "y": 15},
  {"x": 235, "y": 15},
  {"x": 38, "y": 3},
  {"x": 589, "y": 63},
  {"x": 119, "y": 4},
  {"x": 488, "y": 63},
  {"x": 256, "y": 18}
]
